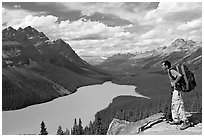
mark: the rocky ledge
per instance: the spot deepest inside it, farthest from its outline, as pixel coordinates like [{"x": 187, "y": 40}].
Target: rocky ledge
[{"x": 155, "y": 125}]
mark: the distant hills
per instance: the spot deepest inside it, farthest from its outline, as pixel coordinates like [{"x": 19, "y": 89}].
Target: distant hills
[
  {"x": 36, "y": 70},
  {"x": 93, "y": 60}
]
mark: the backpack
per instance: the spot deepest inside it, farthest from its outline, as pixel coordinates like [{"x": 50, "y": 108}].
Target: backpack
[{"x": 187, "y": 82}]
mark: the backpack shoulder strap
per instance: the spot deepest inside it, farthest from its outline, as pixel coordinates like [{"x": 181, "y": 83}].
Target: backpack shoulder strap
[{"x": 184, "y": 76}]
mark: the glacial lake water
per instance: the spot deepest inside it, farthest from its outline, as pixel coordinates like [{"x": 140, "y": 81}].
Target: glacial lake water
[{"x": 62, "y": 111}]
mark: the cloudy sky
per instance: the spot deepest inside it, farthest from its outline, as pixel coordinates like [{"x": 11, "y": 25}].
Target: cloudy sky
[{"x": 106, "y": 28}]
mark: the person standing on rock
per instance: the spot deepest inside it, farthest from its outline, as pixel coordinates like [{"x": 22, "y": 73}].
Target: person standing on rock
[{"x": 177, "y": 104}]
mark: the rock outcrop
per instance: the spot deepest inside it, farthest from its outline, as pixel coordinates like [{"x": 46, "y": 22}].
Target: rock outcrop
[
  {"x": 122, "y": 127},
  {"x": 155, "y": 124}
]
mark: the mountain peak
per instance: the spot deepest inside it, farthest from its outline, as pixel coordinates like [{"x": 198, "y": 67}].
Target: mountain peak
[
  {"x": 190, "y": 42},
  {"x": 22, "y": 35},
  {"x": 28, "y": 27},
  {"x": 10, "y": 28},
  {"x": 8, "y": 33},
  {"x": 60, "y": 40},
  {"x": 19, "y": 29},
  {"x": 31, "y": 31},
  {"x": 178, "y": 42},
  {"x": 187, "y": 45},
  {"x": 60, "y": 44}
]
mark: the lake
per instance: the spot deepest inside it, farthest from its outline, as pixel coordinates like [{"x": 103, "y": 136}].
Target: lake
[{"x": 62, "y": 111}]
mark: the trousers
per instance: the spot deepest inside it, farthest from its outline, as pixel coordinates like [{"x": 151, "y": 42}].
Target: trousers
[{"x": 177, "y": 107}]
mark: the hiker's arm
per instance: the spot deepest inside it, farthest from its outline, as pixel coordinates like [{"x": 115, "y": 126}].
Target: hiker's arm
[
  {"x": 177, "y": 79},
  {"x": 177, "y": 75}
]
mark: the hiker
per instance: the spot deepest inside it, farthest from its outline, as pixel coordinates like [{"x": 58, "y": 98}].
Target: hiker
[{"x": 177, "y": 104}]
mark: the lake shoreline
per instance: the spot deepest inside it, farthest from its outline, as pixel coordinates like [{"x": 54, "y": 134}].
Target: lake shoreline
[
  {"x": 101, "y": 94},
  {"x": 64, "y": 95}
]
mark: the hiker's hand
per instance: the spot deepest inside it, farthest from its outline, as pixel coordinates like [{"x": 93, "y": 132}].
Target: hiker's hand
[
  {"x": 173, "y": 84},
  {"x": 172, "y": 89}
]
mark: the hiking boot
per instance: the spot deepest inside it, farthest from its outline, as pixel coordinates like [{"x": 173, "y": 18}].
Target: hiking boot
[
  {"x": 185, "y": 125},
  {"x": 175, "y": 122}
]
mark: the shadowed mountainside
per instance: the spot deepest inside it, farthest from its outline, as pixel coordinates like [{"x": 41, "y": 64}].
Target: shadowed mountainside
[{"x": 36, "y": 70}]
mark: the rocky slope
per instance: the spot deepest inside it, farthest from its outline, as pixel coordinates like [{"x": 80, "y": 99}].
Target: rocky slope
[
  {"x": 36, "y": 70},
  {"x": 155, "y": 125}
]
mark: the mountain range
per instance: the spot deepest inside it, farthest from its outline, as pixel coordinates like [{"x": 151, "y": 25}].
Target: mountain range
[
  {"x": 179, "y": 51},
  {"x": 36, "y": 70},
  {"x": 144, "y": 69}
]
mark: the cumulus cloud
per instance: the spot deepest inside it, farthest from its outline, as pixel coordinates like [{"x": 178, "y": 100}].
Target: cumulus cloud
[
  {"x": 150, "y": 28},
  {"x": 191, "y": 25},
  {"x": 173, "y": 12},
  {"x": 149, "y": 34},
  {"x": 77, "y": 30},
  {"x": 172, "y": 20},
  {"x": 90, "y": 37},
  {"x": 88, "y": 8},
  {"x": 129, "y": 11},
  {"x": 150, "y": 41},
  {"x": 13, "y": 17}
]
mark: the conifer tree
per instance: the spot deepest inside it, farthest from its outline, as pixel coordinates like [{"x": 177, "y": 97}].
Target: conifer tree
[
  {"x": 43, "y": 130},
  {"x": 99, "y": 126},
  {"x": 67, "y": 132},
  {"x": 60, "y": 131},
  {"x": 75, "y": 128},
  {"x": 91, "y": 128},
  {"x": 80, "y": 128},
  {"x": 71, "y": 131},
  {"x": 87, "y": 131}
]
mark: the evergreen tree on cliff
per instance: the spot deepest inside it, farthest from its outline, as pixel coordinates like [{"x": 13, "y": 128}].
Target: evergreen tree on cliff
[
  {"x": 43, "y": 130},
  {"x": 87, "y": 131},
  {"x": 80, "y": 128},
  {"x": 91, "y": 128},
  {"x": 75, "y": 128},
  {"x": 99, "y": 126},
  {"x": 60, "y": 131},
  {"x": 67, "y": 132}
]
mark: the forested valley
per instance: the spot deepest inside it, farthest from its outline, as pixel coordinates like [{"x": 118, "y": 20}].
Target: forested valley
[{"x": 131, "y": 109}]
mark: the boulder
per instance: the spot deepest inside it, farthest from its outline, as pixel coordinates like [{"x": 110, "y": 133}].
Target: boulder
[{"x": 122, "y": 127}]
